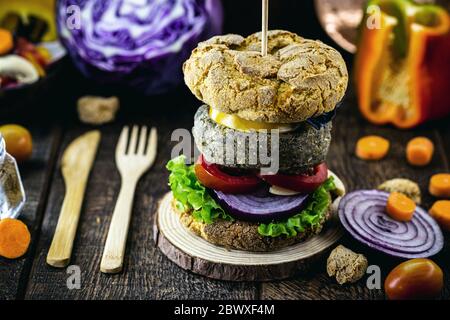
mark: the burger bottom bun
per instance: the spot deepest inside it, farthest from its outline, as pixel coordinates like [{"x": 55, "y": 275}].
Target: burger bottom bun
[
  {"x": 242, "y": 235},
  {"x": 298, "y": 151}
]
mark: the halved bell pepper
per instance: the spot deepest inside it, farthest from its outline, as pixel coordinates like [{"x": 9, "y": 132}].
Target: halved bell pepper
[{"x": 402, "y": 67}]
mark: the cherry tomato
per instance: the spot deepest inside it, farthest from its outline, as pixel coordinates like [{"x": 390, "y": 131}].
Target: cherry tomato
[
  {"x": 414, "y": 279},
  {"x": 19, "y": 143},
  {"x": 211, "y": 176},
  {"x": 299, "y": 183}
]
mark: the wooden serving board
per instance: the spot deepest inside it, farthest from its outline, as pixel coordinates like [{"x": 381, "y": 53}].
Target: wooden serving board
[{"x": 195, "y": 254}]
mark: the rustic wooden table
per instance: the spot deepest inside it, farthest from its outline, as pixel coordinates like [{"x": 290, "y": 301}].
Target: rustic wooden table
[{"x": 148, "y": 274}]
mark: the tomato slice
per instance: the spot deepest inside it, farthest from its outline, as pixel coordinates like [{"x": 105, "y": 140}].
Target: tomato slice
[
  {"x": 299, "y": 183},
  {"x": 211, "y": 176}
]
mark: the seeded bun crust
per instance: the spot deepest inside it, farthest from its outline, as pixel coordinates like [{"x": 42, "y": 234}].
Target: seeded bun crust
[
  {"x": 297, "y": 80},
  {"x": 241, "y": 235}
]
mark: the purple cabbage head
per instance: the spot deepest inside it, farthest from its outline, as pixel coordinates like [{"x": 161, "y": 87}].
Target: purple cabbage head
[{"x": 138, "y": 43}]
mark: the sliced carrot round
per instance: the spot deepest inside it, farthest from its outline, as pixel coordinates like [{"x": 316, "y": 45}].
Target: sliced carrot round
[
  {"x": 419, "y": 151},
  {"x": 6, "y": 41},
  {"x": 14, "y": 238},
  {"x": 440, "y": 185},
  {"x": 372, "y": 148},
  {"x": 441, "y": 212},
  {"x": 400, "y": 207}
]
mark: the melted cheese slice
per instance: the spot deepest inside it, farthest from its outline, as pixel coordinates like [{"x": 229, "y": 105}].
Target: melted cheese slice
[{"x": 239, "y": 124}]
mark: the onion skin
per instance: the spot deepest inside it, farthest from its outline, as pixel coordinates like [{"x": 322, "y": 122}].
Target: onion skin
[{"x": 417, "y": 279}]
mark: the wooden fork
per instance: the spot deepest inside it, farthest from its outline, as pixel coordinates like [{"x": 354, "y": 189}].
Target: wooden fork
[{"x": 134, "y": 156}]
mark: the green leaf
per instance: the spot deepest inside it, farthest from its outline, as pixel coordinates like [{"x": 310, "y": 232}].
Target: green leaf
[
  {"x": 191, "y": 195},
  {"x": 310, "y": 217}
]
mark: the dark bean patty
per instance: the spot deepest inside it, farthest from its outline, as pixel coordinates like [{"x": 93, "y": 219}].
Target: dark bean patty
[{"x": 298, "y": 151}]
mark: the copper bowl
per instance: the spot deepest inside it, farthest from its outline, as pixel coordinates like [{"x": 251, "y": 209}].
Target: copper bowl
[
  {"x": 17, "y": 100},
  {"x": 341, "y": 18}
]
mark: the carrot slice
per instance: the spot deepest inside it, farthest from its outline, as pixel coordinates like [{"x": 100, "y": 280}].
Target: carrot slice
[
  {"x": 440, "y": 185},
  {"x": 441, "y": 212},
  {"x": 419, "y": 151},
  {"x": 14, "y": 238},
  {"x": 400, "y": 207},
  {"x": 372, "y": 148},
  {"x": 6, "y": 41}
]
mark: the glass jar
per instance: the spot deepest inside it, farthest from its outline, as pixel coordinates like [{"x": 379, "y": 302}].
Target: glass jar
[{"x": 12, "y": 194}]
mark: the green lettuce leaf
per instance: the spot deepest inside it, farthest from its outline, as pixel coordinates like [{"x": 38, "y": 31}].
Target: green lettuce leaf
[
  {"x": 191, "y": 195},
  {"x": 310, "y": 217}
]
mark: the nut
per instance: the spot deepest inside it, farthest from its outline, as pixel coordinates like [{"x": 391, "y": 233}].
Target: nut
[{"x": 97, "y": 110}]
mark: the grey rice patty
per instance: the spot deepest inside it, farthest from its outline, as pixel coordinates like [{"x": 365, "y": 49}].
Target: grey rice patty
[{"x": 298, "y": 151}]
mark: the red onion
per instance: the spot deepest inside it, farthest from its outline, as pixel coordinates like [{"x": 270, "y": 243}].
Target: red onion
[
  {"x": 363, "y": 214},
  {"x": 260, "y": 206}
]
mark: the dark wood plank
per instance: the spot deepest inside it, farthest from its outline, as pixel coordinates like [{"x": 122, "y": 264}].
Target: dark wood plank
[
  {"x": 357, "y": 174},
  {"x": 35, "y": 175},
  {"x": 444, "y": 130},
  {"x": 147, "y": 274},
  {"x": 444, "y": 151}
]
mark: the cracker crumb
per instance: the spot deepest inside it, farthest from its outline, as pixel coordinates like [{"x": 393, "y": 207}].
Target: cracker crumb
[
  {"x": 346, "y": 266},
  {"x": 407, "y": 187},
  {"x": 97, "y": 110}
]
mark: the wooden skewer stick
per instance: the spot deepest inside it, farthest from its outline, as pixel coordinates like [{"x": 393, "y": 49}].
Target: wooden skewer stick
[{"x": 265, "y": 26}]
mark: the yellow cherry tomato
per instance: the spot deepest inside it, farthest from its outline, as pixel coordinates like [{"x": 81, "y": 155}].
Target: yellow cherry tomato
[{"x": 19, "y": 143}]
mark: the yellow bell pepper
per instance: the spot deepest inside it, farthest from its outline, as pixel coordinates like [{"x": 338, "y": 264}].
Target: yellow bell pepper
[{"x": 44, "y": 9}]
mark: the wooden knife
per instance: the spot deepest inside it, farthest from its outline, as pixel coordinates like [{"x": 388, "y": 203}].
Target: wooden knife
[{"x": 76, "y": 165}]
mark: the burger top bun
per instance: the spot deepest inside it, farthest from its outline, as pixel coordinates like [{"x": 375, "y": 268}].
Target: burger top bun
[{"x": 297, "y": 80}]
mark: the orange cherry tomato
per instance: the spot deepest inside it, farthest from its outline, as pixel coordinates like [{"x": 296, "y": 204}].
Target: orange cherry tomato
[
  {"x": 19, "y": 143},
  {"x": 413, "y": 280}
]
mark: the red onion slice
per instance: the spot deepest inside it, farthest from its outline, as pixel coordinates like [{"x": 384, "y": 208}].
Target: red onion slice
[
  {"x": 260, "y": 206},
  {"x": 364, "y": 216}
]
